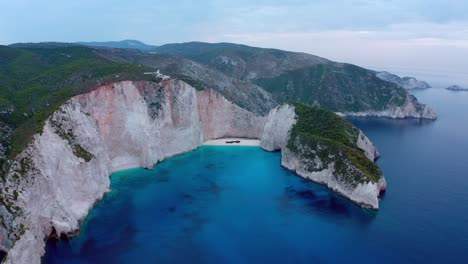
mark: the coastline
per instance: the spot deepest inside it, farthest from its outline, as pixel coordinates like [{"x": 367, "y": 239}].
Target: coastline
[{"x": 222, "y": 142}]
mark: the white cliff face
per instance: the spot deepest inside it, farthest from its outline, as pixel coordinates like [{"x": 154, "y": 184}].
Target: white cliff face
[
  {"x": 55, "y": 195},
  {"x": 279, "y": 123},
  {"x": 130, "y": 135},
  {"x": 410, "y": 109},
  {"x": 119, "y": 126},
  {"x": 222, "y": 118},
  {"x": 369, "y": 148},
  {"x": 365, "y": 194}
]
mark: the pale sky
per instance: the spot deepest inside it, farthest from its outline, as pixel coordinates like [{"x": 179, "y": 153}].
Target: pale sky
[{"x": 423, "y": 38}]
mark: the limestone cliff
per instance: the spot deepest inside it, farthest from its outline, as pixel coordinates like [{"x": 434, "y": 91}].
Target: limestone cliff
[
  {"x": 326, "y": 161},
  {"x": 408, "y": 83},
  {"x": 348, "y": 182},
  {"x": 410, "y": 109},
  {"x": 277, "y": 128},
  {"x": 64, "y": 171}
]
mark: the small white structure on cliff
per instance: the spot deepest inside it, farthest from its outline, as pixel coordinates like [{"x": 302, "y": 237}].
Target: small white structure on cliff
[{"x": 158, "y": 74}]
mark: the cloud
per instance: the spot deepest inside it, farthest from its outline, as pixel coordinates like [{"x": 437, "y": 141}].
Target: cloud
[
  {"x": 161, "y": 21},
  {"x": 337, "y": 15}
]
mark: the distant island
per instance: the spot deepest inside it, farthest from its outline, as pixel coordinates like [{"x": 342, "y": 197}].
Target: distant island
[
  {"x": 456, "y": 88},
  {"x": 408, "y": 83}
]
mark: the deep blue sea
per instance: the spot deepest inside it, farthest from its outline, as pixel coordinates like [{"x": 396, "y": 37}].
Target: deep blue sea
[{"x": 238, "y": 205}]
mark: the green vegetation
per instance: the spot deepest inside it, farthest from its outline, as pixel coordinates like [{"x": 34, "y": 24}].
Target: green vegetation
[
  {"x": 36, "y": 81},
  {"x": 296, "y": 77},
  {"x": 314, "y": 121},
  {"x": 21, "y": 232},
  {"x": 300, "y": 85},
  {"x": 9, "y": 205},
  {"x": 206, "y": 52},
  {"x": 25, "y": 166},
  {"x": 80, "y": 152},
  {"x": 336, "y": 87},
  {"x": 332, "y": 139},
  {"x": 68, "y": 135},
  {"x": 197, "y": 84}
]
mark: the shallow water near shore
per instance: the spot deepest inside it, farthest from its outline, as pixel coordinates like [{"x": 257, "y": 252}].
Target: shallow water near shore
[{"x": 238, "y": 205}]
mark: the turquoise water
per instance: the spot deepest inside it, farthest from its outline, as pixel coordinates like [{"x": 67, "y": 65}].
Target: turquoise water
[{"x": 238, "y": 205}]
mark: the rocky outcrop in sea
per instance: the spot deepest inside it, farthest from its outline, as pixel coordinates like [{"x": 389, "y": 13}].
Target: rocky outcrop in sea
[
  {"x": 410, "y": 109},
  {"x": 408, "y": 83},
  {"x": 456, "y": 88}
]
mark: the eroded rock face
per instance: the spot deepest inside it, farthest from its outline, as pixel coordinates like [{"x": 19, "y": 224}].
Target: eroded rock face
[
  {"x": 365, "y": 194},
  {"x": 369, "y": 148},
  {"x": 277, "y": 136},
  {"x": 408, "y": 83},
  {"x": 56, "y": 180},
  {"x": 277, "y": 128},
  {"x": 221, "y": 118},
  {"x": 410, "y": 109}
]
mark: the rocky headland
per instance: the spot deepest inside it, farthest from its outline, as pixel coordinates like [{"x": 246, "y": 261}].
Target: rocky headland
[
  {"x": 406, "y": 82},
  {"x": 456, "y": 88}
]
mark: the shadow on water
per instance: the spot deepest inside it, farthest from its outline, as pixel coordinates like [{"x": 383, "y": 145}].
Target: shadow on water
[
  {"x": 139, "y": 179},
  {"x": 64, "y": 251},
  {"x": 386, "y": 123},
  {"x": 120, "y": 235},
  {"x": 318, "y": 201}
]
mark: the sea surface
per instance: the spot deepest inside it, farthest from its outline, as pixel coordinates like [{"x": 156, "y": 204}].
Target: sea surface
[{"x": 238, "y": 205}]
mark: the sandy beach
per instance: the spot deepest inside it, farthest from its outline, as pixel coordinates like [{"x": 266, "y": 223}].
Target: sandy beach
[{"x": 242, "y": 142}]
